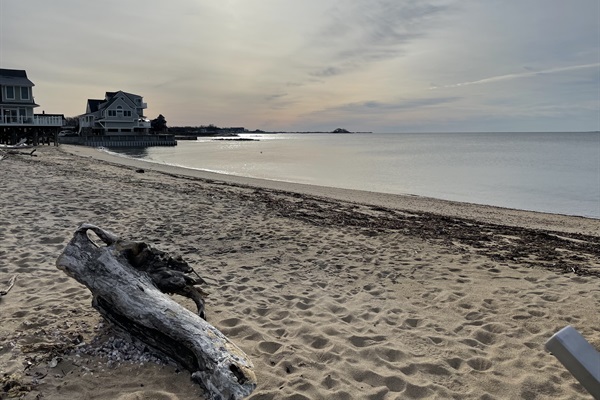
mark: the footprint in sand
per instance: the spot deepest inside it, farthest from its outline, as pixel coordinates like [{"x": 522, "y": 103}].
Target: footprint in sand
[
  {"x": 485, "y": 337},
  {"x": 391, "y": 355},
  {"x": 363, "y": 341},
  {"x": 551, "y": 298},
  {"x": 231, "y": 322},
  {"x": 436, "y": 340},
  {"x": 537, "y": 313},
  {"x": 20, "y": 314},
  {"x": 413, "y": 322},
  {"x": 479, "y": 364},
  {"x": 393, "y": 383},
  {"x": 417, "y": 392},
  {"x": 456, "y": 362},
  {"x": 269, "y": 347},
  {"x": 303, "y": 306}
]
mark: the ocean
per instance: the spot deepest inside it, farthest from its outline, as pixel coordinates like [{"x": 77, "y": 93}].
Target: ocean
[{"x": 549, "y": 172}]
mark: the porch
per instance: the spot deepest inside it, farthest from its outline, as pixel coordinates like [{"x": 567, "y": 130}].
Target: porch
[{"x": 13, "y": 120}]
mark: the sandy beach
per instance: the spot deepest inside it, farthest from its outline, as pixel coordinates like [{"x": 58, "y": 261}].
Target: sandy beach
[{"x": 333, "y": 294}]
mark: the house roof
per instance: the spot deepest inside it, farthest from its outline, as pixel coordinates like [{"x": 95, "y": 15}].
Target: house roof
[
  {"x": 111, "y": 97},
  {"x": 19, "y": 104},
  {"x": 94, "y": 104},
  {"x": 15, "y": 77}
]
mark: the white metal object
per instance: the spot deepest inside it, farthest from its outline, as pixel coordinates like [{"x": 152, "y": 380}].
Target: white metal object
[{"x": 578, "y": 356}]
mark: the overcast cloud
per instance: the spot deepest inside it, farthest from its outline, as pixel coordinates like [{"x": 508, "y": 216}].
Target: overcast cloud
[{"x": 365, "y": 65}]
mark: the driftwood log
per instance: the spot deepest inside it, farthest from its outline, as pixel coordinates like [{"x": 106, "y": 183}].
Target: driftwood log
[
  {"x": 21, "y": 153},
  {"x": 126, "y": 279}
]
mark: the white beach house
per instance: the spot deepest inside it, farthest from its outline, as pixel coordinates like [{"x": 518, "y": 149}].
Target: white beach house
[
  {"x": 17, "y": 120},
  {"x": 119, "y": 113},
  {"x": 17, "y": 104}
]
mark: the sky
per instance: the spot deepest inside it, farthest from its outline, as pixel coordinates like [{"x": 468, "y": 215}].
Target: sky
[{"x": 318, "y": 65}]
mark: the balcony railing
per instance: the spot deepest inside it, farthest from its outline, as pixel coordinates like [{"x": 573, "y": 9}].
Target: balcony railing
[
  {"x": 138, "y": 123},
  {"x": 37, "y": 120},
  {"x": 53, "y": 120}
]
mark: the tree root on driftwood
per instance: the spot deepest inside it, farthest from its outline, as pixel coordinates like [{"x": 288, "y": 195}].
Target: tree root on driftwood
[{"x": 128, "y": 280}]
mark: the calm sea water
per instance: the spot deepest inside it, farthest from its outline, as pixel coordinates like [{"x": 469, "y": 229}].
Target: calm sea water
[{"x": 549, "y": 172}]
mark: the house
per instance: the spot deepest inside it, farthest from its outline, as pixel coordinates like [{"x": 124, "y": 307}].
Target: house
[
  {"x": 17, "y": 99},
  {"x": 119, "y": 113},
  {"x": 17, "y": 119}
]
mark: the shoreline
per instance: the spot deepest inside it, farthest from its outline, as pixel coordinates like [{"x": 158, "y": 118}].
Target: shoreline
[
  {"x": 404, "y": 202},
  {"x": 328, "y": 296}
]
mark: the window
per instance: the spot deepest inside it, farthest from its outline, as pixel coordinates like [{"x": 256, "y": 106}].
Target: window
[
  {"x": 24, "y": 93},
  {"x": 119, "y": 111},
  {"x": 127, "y": 113},
  {"x": 112, "y": 113},
  {"x": 23, "y": 115},
  {"x": 10, "y": 116},
  {"x": 10, "y": 92}
]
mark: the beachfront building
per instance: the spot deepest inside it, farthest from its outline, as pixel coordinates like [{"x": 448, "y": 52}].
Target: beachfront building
[
  {"x": 119, "y": 113},
  {"x": 17, "y": 118}
]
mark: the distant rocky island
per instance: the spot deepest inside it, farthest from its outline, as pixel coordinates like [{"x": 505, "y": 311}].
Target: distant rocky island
[
  {"x": 338, "y": 130},
  {"x": 183, "y": 132},
  {"x": 236, "y": 138}
]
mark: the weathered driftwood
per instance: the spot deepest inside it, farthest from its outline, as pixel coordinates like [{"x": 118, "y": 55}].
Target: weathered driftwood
[
  {"x": 21, "y": 153},
  {"x": 5, "y": 153},
  {"x": 129, "y": 298},
  {"x": 11, "y": 283}
]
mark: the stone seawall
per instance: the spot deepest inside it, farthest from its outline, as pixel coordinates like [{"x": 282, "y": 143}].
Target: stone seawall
[{"x": 121, "y": 140}]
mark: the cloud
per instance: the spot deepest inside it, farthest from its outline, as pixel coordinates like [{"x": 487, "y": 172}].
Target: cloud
[
  {"x": 276, "y": 96},
  {"x": 372, "y": 106},
  {"x": 360, "y": 33},
  {"x": 316, "y": 63},
  {"x": 521, "y": 75},
  {"x": 329, "y": 71}
]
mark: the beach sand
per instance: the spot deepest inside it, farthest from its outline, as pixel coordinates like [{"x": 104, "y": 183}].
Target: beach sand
[{"x": 333, "y": 294}]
